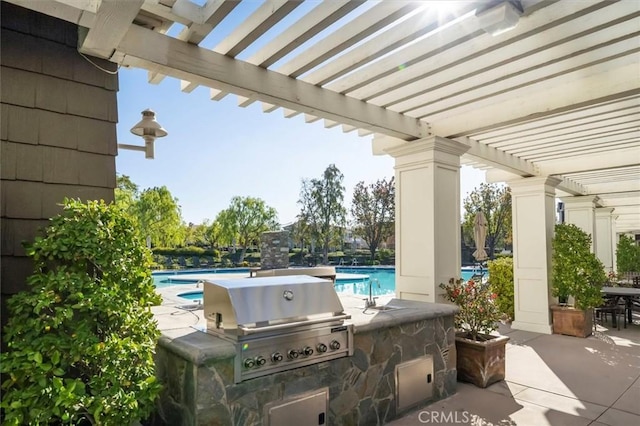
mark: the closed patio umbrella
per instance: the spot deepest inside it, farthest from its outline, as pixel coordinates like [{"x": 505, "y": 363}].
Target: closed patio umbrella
[{"x": 479, "y": 236}]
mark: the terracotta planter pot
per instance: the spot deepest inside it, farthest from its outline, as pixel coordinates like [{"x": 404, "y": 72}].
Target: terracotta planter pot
[
  {"x": 570, "y": 321},
  {"x": 481, "y": 363}
]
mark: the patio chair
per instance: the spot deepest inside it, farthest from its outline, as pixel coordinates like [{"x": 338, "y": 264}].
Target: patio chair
[{"x": 609, "y": 306}]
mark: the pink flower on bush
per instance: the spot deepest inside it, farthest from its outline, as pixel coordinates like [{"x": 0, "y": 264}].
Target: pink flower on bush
[{"x": 478, "y": 315}]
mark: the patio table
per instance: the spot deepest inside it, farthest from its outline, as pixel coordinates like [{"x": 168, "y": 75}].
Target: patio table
[{"x": 627, "y": 293}]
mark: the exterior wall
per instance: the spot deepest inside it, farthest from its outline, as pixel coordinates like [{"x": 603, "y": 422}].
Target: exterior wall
[
  {"x": 362, "y": 388},
  {"x": 58, "y": 121}
]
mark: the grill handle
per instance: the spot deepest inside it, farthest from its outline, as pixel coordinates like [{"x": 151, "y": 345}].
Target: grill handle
[{"x": 252, "y": 330}]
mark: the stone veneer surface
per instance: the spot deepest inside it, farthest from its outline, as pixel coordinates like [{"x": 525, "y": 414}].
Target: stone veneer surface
[
  {"x": 197, "y": 370},
  {"x": 274, "y": 250}
]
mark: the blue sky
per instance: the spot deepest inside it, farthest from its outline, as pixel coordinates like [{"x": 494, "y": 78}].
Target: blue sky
[{"x": 216, "y": 150}]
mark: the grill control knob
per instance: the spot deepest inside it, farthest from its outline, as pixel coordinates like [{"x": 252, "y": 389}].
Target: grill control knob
[
  {"x": 260, "y": 361},
  {"x": 321, "y": 347},
  {"x": 335, "y": 345},
  {"x": 276, "y": 357},
  {"x": 292, "y": 354},
  {"x": 249, "y": 363},
  {"x": 307, "y": 351}
]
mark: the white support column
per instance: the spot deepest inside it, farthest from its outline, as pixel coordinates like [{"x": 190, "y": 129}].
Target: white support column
[
  {"x": 581, "y": 211},
  {"x": 606, "y": 235},
  {"x": 533, "y": 211},
  {"x": 427, "y": 216}
]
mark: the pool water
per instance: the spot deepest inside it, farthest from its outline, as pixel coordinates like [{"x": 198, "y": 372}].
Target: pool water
[
  {"x": 169, "y": 278},
  {"x": 383, "y": 280}
]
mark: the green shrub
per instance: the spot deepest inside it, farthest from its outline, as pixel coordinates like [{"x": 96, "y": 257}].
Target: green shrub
[
  {"x": 627, "y": 255},
  {"x": 185, "y": 251},
  {"x": 576, "y": 271},
  {"x": 501, "y": 283},
  {"x": 81, "y": 340}
]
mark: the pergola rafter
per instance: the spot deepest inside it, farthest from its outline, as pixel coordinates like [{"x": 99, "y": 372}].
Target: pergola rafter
[{"x": 557, "y": 95}]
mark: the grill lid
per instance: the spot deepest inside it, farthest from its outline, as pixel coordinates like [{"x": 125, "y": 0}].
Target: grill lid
[{"x": 259, "y": 302}]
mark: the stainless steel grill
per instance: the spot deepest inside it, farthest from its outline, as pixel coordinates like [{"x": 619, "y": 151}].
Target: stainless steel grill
[{"x": 278, "y": 323}]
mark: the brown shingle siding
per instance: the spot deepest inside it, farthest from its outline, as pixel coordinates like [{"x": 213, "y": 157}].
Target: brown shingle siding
[
  {"x": 53, "y": 195},
  {"x": 52, "y": 93},
  {"x": 15, "y": 271},
  {"x": 88, "y": 73},
  {"x": 18, "y": 87},
  {"x": 8, "y": 154},
  {"x": 91, "y": 101},
  {"x": 60, "y": 165},
  {"x": 96, "y": 136},
  {"x": 96, "y": 169},
  {"x": 23, "y": 199},
  {"x": 57, "y": 129},
  {"x": 29, "y": 161},
  {"x": 17, "y": 231},
  {"x": 22, "y": 124},
  {"x": 57, "y": 59},
  {"x": 20, "y": 51}
]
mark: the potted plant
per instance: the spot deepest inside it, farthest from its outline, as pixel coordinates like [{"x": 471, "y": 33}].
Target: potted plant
[
  {"x": 81, "y": 339},
  {"x": 578, "y": 274},
  {"x": 480, "y": 356}
]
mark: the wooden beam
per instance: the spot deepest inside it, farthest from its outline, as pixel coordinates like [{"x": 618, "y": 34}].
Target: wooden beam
[
  {"x": 217, "y": 95},
  {"x": 157, "y": 52},
  {"x": 359, "y": 28},
  {"x": 113, "y": 19},
  {"x": 616, "y": 83},
  {"x": 318, "y": 19},
  {"x": 260, "y": 21},
  {"x": 599, "y": 161},
  {"x": 496, "y": 158}
]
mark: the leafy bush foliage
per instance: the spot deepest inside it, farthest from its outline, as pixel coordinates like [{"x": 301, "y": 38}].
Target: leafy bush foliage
[
  {"x": 627, "y": 255},
  {"x": 81, "y": 340},
  {"x": 501, "y": 283},
  {"x": 478, "y": 313},
  {"x": 576, "y": 271}
]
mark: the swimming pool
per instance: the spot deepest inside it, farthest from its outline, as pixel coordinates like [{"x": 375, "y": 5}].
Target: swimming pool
[{"x": 383, "y": 279}]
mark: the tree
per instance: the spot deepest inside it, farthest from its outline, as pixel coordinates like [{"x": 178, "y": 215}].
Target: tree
[
  {"x": 126, "y": 193},
  {"x": 322, "y": 207},
  {"x": 197, "y": 234},
  {"x": 495, "y": 202},
  {"x": 212, "y": 235},
  {"x": 159, "y": 217},
  {"x": 245, "y": 219},
  {"x": 373, "y": 210}
]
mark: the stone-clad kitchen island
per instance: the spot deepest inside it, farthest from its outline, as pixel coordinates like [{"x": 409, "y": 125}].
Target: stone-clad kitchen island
[{"x": 402, "y": 358}]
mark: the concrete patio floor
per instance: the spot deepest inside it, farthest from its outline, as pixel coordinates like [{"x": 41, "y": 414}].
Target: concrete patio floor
[{"x": 551, "y": 380}]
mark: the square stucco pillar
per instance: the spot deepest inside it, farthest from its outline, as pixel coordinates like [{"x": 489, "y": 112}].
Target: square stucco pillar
[
  {"x": 533, "y": 216},
  {"x": 581, "y": 211},
  {"x": 606, "y": 235},
  {"x": 427, "y": 175}
]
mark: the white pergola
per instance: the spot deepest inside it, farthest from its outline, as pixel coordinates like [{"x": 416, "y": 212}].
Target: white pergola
[{"x": 552, "y": 106}]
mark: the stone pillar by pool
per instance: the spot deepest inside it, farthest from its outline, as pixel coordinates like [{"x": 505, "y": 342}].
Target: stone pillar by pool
[{"x": 274, "y": 250}]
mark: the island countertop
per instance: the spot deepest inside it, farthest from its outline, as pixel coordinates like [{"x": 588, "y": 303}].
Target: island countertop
[{"x": 182, "y": 330}]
